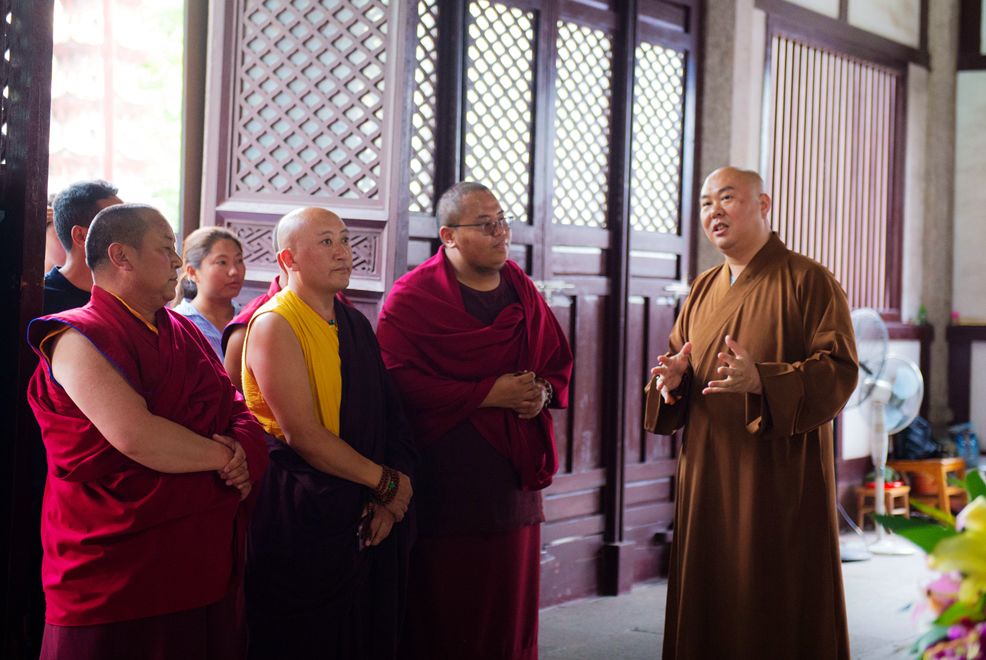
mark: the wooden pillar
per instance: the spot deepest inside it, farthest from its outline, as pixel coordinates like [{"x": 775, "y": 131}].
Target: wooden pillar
[
  {"x": 617, "y": 566},
  {"x": 23, "y": 197}
]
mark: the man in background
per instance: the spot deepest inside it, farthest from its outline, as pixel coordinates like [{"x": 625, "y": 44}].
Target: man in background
[{"x": 70, "y": 285}]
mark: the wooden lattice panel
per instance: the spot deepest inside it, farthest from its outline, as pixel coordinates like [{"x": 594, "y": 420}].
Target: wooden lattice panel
[
  {"x": 658, "y": 125},
  {"x": 256, "y": 238},
  {"x": 500, "y": 102},
  {"x": 582, "y": 125},
  {"x": 423, "y": 117},
  {"x": 258, "y": 247},
  {"x": 5, "y": 18},
  {"x": 310, "y": 97}
]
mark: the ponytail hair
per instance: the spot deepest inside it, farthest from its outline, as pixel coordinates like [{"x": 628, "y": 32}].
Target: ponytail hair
[{"x": 195, "y": 248}]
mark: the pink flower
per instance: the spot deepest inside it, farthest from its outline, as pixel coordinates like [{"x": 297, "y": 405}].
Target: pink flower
[{"x": 943, "y": 591}]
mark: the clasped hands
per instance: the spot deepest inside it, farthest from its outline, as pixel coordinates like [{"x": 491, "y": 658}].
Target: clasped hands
[
  {"x": 523, "y": 392},
  {"x": 235, "y": 473},
  {"x": 738, "y": 371},
  {"x": 378, "y": 519}
]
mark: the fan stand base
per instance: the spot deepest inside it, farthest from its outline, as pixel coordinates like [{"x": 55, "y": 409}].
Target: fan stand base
[
  {"x": 890, "y": 545},
  {"x": 848, "y": 553}
]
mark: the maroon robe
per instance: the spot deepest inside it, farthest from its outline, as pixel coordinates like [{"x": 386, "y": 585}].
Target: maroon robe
[
  {"x": 311, "y": 592},
  {"x": 246, "y": 313},
  {"x": 121, "y": 541},
  {"x": 475, "y": 568}
]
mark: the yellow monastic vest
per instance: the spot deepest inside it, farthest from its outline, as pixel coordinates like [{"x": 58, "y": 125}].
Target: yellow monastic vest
[{"x": 320, "y": 344}]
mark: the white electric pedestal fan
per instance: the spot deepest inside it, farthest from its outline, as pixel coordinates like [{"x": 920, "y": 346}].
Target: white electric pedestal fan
[{"x": 890, "y": 388}]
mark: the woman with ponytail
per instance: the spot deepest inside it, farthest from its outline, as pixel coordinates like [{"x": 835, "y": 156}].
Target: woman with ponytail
[{"x": 211, "y": 278}]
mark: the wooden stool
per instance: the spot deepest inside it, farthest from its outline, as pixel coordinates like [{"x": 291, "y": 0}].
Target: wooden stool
[
  {"x": 891, "y": 497},
  {"x": 936, "y": 470}
]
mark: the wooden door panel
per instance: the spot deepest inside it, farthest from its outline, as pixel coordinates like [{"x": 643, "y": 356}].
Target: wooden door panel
[
  {"x": 588, "y": 390},
  {"x": 587, "y": 149}
]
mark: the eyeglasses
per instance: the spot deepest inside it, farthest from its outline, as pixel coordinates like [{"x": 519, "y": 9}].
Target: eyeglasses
[{"x": 490, "y": 227}]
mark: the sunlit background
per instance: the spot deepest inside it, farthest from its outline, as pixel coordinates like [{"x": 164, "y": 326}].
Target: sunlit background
[{"x": 116, "y": 98}]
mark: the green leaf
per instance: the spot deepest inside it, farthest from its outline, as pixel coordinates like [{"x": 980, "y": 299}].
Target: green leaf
[
  {"x": 955, "y": 481},
  {"x": 974, "y": 484},
  {"x": 937, "y": 514},
  {"x": 923, "y": 534},
  {"x": 959, "y": 611}
]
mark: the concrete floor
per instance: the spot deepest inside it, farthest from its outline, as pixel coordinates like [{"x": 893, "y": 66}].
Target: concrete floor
[{"x": 631, "y": 627}]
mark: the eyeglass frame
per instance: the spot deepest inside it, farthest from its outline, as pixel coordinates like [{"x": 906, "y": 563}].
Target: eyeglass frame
[{"x": 503, "y": 221}]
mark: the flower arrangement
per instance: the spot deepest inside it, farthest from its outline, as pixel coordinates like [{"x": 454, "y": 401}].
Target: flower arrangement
[{"x": 956, "y": 547}]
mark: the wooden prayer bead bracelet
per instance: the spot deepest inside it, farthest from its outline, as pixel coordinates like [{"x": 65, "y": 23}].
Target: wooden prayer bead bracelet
[{"x": 386, "y": 490}]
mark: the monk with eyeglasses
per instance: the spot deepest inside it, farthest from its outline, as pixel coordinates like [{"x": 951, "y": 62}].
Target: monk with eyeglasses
[{"x": 478, "y": 358}]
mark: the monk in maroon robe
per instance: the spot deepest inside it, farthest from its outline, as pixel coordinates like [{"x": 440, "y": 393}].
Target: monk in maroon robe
[
  {"x": 478, "y": 357},
  {"x": 150, "y": 451},
  {"x": 762, "y": 359}
]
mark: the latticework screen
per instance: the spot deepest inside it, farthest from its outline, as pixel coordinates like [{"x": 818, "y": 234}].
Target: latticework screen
[
  {"x": 832, "y": 163},
  {"x": 310, "y": 94},
  {"x": 423, "y": 117},
  {"x": 658, "y": 125},
  {"x": 582, "y": 125},
  {"x": 500, "y": 102}
]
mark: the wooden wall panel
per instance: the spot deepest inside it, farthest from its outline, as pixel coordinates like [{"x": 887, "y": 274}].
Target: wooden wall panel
[{"x": 833, "y": 166}]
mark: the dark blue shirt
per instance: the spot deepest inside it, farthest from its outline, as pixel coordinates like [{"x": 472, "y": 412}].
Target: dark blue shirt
[{"x": 62, "y": 295}]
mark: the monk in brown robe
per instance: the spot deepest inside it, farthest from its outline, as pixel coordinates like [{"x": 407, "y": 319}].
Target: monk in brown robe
[{"x": 761, "y": 359}]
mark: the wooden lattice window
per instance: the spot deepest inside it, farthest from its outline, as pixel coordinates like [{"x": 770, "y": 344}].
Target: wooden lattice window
[
  {"x": 582, "y": 125},
  {"x": 658, "y": 125},
  {"x": 310, "y": 94},
  {"x": 832, "y": 164},
  {"x": 423, "y": 117},
  {"x": 500, "y": 102}
]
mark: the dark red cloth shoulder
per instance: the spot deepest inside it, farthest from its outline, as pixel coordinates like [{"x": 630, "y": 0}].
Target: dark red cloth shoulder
[
  {"x": 122, "y": 541},
  {"x": 246, "y": 313},
  {"x": 444, "y": 362}
]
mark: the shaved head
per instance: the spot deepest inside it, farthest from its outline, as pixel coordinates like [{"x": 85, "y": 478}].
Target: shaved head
[
  {"x": 314, "y": 251},
  {"x": 290, "y": 227},
  {"x": 733, "y": 210},
  {"x": 734, "y": 174}
]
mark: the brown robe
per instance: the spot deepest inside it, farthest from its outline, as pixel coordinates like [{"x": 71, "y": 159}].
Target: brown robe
[{"x": 755, "y": 569}]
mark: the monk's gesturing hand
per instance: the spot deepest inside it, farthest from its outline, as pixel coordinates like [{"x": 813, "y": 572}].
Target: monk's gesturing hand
[
  {"x": 670, "y": 370},
  {"x": 398, "y": 506},
  {"x": 519, "y": 392},
  {"x": 739, "y": 371},
  {"x": 236, "y": 472}
]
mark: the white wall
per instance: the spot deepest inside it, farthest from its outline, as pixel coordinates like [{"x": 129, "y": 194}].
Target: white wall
[{"x": 898, "y": 20}]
